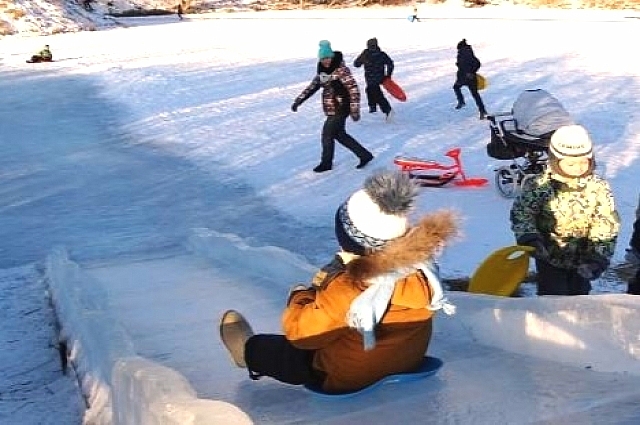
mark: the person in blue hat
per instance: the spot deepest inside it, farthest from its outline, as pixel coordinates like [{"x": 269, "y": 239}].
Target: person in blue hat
[{"x": 340, "y": 100}]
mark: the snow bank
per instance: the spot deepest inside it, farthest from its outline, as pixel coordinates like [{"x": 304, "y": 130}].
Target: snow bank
[
  {"x": 599, "y": 332},
  {"x": 120, "y": 387},
  {"x": 148, "y": 393}
]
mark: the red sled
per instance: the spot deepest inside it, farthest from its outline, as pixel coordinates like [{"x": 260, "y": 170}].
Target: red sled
[
  {"x": 394, "y": 89},
  {"x": 435, "y": 174}
]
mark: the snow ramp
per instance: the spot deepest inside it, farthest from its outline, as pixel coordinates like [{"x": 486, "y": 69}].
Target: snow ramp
[{"x": 143, "y": 338}]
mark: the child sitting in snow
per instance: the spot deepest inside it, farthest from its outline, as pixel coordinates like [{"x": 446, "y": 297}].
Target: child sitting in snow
[{"x": 43, "y": 55}]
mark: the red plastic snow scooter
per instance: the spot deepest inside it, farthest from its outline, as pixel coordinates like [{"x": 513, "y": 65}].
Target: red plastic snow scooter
[{"x": 430, "y": 173}]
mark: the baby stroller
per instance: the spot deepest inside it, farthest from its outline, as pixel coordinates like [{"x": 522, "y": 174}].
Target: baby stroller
[{"x": 522, "y": 137}]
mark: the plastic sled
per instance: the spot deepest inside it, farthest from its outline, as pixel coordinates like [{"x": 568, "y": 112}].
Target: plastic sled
[
  {"x": 432, "y": 173},
  {"x": 394, "y": 89},
  {"x": 429, "y": 367},
  {"x": 502, "y": 272},
  {"x": 481, "y": 82}
]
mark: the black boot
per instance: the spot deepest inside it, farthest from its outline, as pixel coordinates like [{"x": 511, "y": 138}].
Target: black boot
[
  {"x": 321, "y": 168},
  {"x": 460, "y": 105},
  {"x": 364, "y": 161}
]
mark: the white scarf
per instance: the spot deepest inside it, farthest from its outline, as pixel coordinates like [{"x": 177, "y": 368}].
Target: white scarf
[{"x": 367, "y": 309}]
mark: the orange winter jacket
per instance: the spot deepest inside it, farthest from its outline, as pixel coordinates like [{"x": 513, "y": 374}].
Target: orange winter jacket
[{"x": 316, "y": 318}]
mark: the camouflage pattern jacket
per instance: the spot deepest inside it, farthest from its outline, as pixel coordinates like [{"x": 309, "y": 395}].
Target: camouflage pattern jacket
[
  {"x": 577, "y": 222},
  {"x": 340, "y": 93}
]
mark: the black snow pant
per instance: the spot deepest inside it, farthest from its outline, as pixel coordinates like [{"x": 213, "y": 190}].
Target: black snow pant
[
  {"x": 635, "y": 234},
  {"x": 375, "y": 97},
  {"x": 274, "y": 356},
  {"x": 334, "y": 129},
  {"x": 556, "y": 281},
  {"x": 471, "y": 82},
  {"x": 634, "y": 284}
]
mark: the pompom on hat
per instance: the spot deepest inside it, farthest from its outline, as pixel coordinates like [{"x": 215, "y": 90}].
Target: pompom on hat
[
  {"x": 325, "y": 50},
  {"x": 375, "y": 214}
]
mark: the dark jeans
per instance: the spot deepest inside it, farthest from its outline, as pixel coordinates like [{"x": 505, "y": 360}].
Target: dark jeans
[
  {"x": 556, "y": 281},
  {"x": 635, "y": 235},
  {"x": 334, "y": 129},
  {"x": 634, "y": 284},
  {"x": 376, "y": 97},
  {"x": 472, "y": 83},
  {"x": 274, "y": 356}
]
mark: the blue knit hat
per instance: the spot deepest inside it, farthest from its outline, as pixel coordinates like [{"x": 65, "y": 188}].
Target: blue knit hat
[{"x": 325, "y": 50}]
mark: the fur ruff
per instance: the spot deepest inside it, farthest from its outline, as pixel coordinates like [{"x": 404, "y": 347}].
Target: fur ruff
[{"x": 419, "y": 244}]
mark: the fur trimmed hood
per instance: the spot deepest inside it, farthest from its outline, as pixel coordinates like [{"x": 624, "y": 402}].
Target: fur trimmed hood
[{"x": 421, "y": 243}]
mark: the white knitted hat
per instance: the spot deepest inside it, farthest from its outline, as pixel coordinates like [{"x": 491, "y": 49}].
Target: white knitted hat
[
  {"x": 571, "y": 141},
  {"x": 376, "y": 214}
]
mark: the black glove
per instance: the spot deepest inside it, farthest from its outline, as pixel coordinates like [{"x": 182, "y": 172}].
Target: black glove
[
  {"x": 535, "y": 241},
  {"x": 294, "y": 107},
  {"x": 591, "y": 270}
]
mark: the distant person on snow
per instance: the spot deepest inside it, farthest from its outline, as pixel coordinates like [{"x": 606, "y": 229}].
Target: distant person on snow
[
  {"x": 180, "y": 11},
  {"x": 468, "y": 66},
  {"x": 340, "y": 99},
  {"x": 377, "y": 66},
  {"x": 369, "y": 313},
  {"x": 43, "y": 55},
  {"x": 568, "y": 215},
  {"x": 414, "y": 17}
]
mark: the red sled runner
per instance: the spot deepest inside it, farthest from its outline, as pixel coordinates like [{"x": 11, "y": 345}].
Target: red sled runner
[
  {"x": 434, "y": 174},
  {"x": 394, "y": 89}
]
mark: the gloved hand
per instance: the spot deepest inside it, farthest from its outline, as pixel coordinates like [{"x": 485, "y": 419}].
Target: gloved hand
[
  {"x": 535, "y": 241},
  {"x": 355, "y": 116},
  {"x": 591, "y": 270},
  {"x": 294, "y": 107}
]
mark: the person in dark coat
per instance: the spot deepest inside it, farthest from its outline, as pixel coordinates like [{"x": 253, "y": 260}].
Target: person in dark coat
[
  {"x": 340, "y": 99},
  {"x": 632, "y": 255},
  {"x": 468, "y": 66},
  {"x": 377, "y": 66},
  {"x": 180, "y": 11}
]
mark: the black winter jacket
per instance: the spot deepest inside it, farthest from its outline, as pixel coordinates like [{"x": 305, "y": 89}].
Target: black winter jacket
[{"x": 377, "y": 65}]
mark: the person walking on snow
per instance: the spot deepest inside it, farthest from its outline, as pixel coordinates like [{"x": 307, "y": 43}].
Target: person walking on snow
[
  {"x": 377, "y": 66},
  {"x": 340, "y": 99},
  {"x": 568, "y": 215},
  {"x": 468, "y": 65},
  {"x": 373, "y": 315}
]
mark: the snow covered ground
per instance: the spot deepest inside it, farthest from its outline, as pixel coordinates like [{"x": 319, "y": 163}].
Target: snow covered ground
[{"x": 155, "y": 176}]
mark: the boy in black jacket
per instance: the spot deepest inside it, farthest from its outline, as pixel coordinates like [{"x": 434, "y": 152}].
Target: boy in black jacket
[
  {"x": 468, "y": 66},
  {"x": 377, "y": 66}
]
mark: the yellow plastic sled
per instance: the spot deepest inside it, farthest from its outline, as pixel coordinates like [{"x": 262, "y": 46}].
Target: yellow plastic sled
[{"x": 501, "y": 272}]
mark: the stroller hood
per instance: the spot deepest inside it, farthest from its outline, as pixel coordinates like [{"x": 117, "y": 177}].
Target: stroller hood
[{"x": 538, "y": 113}]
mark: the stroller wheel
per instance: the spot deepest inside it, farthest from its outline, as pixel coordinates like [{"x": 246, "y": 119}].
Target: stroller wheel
[{"x": 507, "y": 181}]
